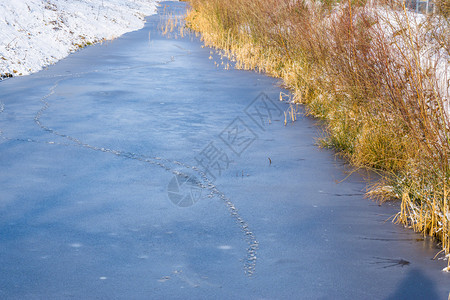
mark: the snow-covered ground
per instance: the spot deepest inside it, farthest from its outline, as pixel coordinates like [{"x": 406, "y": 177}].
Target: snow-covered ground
[
  {"x": 37, "y": 33},
  {"x": 410, "y": 34}
]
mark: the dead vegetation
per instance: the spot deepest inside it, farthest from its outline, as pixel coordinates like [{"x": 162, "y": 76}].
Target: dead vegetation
[{"x": 375, "y": 72}]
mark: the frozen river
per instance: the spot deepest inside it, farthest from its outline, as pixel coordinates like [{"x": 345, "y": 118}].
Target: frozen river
[{"x": 143, "y": 169}]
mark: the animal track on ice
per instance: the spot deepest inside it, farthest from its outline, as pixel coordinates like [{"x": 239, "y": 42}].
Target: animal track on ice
[{"x": 167, "y": 164}]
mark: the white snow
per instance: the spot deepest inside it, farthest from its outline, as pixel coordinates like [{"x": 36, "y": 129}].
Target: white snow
[
  {"x": 420, "y": 42},
  {"x": 37, "y": 33}
]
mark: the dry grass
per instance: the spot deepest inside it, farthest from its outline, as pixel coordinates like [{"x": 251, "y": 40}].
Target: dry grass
[{"x": 375, "y": 72}]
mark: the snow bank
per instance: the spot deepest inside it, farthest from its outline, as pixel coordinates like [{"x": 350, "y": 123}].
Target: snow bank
[
  {"x": 421, "y": 42},
  {"x": 36, "y": 33}
]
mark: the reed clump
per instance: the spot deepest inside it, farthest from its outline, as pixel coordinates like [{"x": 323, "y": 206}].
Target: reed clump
[{"x": 376, "y": 74}]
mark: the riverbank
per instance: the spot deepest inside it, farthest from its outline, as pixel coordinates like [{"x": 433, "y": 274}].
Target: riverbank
[
  {"x": 377, "y": 76},
  {"x": 35, "y": 33},
  {"x": 93, "y": 146}
]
